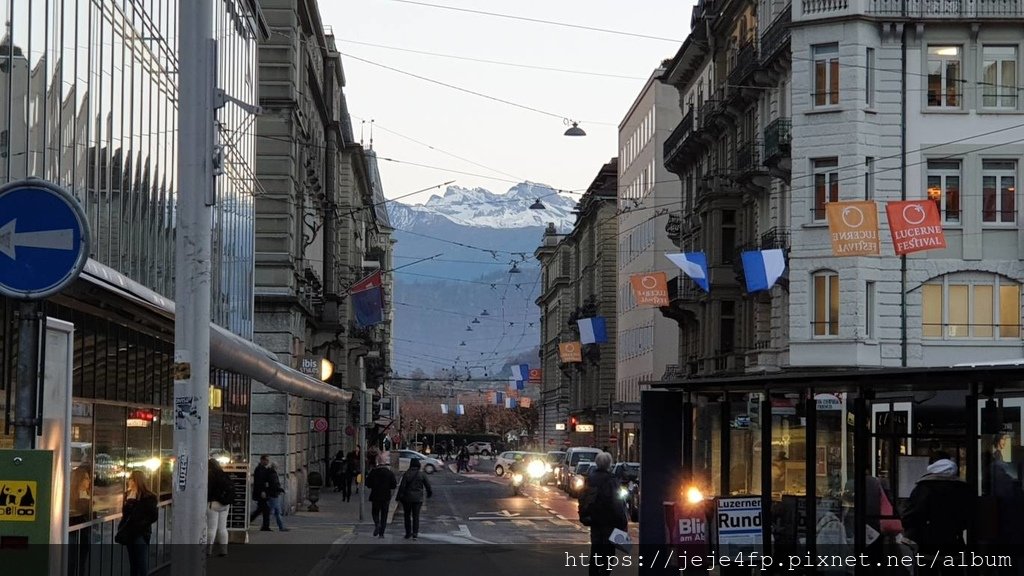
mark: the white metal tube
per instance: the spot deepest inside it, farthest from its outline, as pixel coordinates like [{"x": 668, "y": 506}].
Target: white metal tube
[{"x": 196, "y": 73}]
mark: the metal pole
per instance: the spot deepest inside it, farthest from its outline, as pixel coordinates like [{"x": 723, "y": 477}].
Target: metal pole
[
  {"x": 28, "y": 376},
  {"x": 365, "y": 408},
  {"x": 196, "y": 73}
]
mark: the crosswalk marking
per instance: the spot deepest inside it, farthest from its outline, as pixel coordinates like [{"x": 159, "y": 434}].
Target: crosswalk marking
[{"x": 528, "y": 523}]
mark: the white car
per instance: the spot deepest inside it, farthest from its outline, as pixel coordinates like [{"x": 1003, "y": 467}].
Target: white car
[
  {"x": 481, "y": 448},
  {"x": 427, "y": 463},
  {"x": 502, "y": 462}
]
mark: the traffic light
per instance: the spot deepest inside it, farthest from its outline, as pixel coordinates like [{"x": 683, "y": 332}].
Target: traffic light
[{"x": 572, "y": 423}]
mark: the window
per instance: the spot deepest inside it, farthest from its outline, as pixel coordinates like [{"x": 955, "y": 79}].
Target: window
[
  {"x": 944, "y": 188},
  {"x": 869, "y": 178},
  {"x": 944, "y": 76},
  {"x": 999, "y": 191},
  {"x": 727, "y": 325},
  {"x": 826, "y": 185},
  {"x": 869, "y": 311},
  {"x": 826, "y": 74},
  {"x": 971, "y": 306},
  {"x": 869, "y": 84},
  {"x": 728, "y": 236},
  {"x": 825, "y": 319},
  {"x": 999, "y": 77}
]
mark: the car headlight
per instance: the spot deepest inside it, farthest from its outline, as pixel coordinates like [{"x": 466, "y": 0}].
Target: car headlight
[
  {"x": 517, "y": 478},
  {"x": 623, "y": 493},
  {"x": 577, "y": 483},
  {"x": 535, "y": 469}
]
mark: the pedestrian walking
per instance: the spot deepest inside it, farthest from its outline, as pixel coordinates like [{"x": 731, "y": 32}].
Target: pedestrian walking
[
  {"x": 337, "y": 471},
  {"x": 937, "y": 514},
  {"x": 220, "y": 493},
  {"x": 352, "y": 463},
  {"x": 380, "y": 482},
  {"x": 260, "y": 491},
  {"x": 275, "y": 496},
  {"x": 410, "y": 495},
  {"x": 138, "y": 513},
  {"x": 462, "y": 462},
  {"x": 602, "y": 510}
]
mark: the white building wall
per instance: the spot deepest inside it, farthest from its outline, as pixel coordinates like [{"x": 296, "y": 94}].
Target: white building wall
[
  {"x": 853, "y": 131},
  {"x": 647, "y": 341}
]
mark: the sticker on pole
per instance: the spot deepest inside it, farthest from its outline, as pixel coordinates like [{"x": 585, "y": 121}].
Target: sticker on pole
[
  {"x": 44, "y": 239},
  {"x": 182, "y": 472},
  {"x": 18, "y": 501}
]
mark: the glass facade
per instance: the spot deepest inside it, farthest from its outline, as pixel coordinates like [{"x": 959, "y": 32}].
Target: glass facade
[{"x": 88, "y": 100}]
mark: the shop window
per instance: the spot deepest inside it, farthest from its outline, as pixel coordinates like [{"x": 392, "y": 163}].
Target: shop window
[
  {"x": 109, "y": 462},
  {"x": 826, "y": 185},
  {"x": 825, "y": 318},
  {"x": 944, "y": 188},
  {"x": 999, "y": 77},
  {"x": 944, "y": 76},
  {"x": 999, "y": 191},
  {"x": 826, "y": 74},
  {"x": 966, "y": 306}
]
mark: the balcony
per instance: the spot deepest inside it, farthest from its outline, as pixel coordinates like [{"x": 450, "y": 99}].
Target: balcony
[
  {"x": 676, "y": 144},
  {"x": 745, "y": 64},
  {"x": 777, "y": 139},
  {"x": 776, "y": 38},
  {"x": 777, "y": 237},
  {"x": 947, "y": 9},
  {"x": 684, "y": 300}
]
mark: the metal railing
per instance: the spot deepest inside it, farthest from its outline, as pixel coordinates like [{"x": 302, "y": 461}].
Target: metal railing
[
  {"x": 947, "y": 9},
  {"x": 777, "y": 138},
  {"x": 777, "y": 237},
  {"x": 825, "y": 6},
  {"x": 744, "y": 65},
  {"x": 678, "y": 136},
  {"x": 776, "y": 36},
  {"x": 748, "y": 157}
]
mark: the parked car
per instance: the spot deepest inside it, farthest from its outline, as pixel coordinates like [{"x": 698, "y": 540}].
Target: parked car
[
  {"x": 427, "y": 463},
  {"x": 555, "y": 460},
  {"x": 481, "y": 448},
  {"x": 504, "y": 459},
  {"x": 573, "y": 457}
]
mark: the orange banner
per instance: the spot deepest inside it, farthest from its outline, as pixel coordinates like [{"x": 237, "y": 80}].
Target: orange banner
[
  {"x": 915, "y": 226},
  {"x": 853, "y": 227},
  {"x": 570, "y": 352},
  {"x": 650, "y": 289},
  {"x": 524, "y": 402},
  {"x": 535, "y": 375}
]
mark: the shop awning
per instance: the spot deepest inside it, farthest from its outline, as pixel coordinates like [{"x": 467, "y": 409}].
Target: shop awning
[{"x": 228, "y": 351}]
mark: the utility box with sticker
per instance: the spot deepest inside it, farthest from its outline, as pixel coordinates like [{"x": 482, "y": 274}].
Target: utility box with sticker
[{"x": 25, "y": 510}]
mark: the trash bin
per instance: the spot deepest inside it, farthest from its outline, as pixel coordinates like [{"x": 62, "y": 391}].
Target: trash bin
[{"x": 314, "y": 482}]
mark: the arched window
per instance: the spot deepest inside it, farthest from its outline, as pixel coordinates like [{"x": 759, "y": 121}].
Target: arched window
[
  {"x": 825, "y": 303},
  {"x": 970, "y": 305}
]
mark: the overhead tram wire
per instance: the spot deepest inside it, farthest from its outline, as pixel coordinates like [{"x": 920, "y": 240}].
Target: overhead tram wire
[
  {"x": 497, "y": 62},
  {"x": 540, "y": 21},
  {"x": 473, "y": 92}
]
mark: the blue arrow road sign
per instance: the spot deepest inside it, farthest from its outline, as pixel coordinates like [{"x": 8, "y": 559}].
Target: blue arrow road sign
[{"x": 44, "y": 239}]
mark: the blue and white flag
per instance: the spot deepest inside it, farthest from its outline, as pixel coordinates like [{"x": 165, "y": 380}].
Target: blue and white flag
[
  {"x": 499, "y": 398},
  {"x": 460, "y": 410},
  {"x": 444, "y": 409},
  {"x": 694, "y": 265},
  {"x": 510, "y": 403},
  {"x": 762, "y": 268},
  {"x": 593, "y": 330},
  {"x": 521, "y": 372}
]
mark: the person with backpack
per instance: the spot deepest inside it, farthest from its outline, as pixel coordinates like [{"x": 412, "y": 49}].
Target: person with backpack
[
  {"x": 220, "y": 494},
  {"x": 601, "y": 509},
  {"x": 410, "y": 494}
]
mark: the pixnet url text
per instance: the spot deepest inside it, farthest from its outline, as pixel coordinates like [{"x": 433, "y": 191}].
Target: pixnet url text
[{"x": 792, "y": 563}]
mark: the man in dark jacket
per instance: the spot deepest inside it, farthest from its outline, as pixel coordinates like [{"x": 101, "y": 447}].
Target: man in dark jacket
[
  {"x": 937, "y": 514},
  {"x": 410, "y": 494},
  {"x": 337, "y": 471},
  {"x": 380, "y": 482},
  {"x": 607, "y": 512},
  {"x": 261, "y": 492}
]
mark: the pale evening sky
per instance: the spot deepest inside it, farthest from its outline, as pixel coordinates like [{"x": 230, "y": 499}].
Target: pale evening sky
[{"x": 514, "y": 144}]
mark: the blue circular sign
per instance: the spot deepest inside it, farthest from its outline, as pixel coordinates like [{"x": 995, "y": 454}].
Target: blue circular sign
[{"x": 44, "y": 239}]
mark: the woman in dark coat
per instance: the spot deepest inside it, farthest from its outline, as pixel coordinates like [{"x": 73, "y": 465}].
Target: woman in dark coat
[
  {"x": 410, "y": 494},
  {"x": 937, "y": 514},
  {"x": 337, "y": 471},
  {"x": 607, "y": 512},
  {"x": 138, "y": 513}
]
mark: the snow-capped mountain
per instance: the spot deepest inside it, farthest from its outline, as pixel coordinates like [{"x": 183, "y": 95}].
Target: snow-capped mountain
[{"x": 480, "y": 208}]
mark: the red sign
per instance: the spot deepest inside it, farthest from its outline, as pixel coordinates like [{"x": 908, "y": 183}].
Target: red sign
[
  {"x": 320, "y": 424},
  {"x": 613, "y": 438},
  {"x": 915, "y": 226},
  {"x": 535, "y": 375},
  {"x": 551, "y": 441},
  {"x": 349, "y": 431}
]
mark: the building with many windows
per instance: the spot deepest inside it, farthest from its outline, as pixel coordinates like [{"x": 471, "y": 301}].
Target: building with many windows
[
  {"x": 843, "y": 371},
  {"x": 648, "y": 341},
  {"x": 578, "y": 275},
  {"x": 89, "y": 101}
]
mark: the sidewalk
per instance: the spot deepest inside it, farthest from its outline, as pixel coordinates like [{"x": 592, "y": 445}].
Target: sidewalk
[{"x": 337, "y": 522}]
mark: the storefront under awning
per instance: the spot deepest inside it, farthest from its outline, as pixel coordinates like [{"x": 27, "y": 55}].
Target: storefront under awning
[{"x": 228, "y": 351}]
